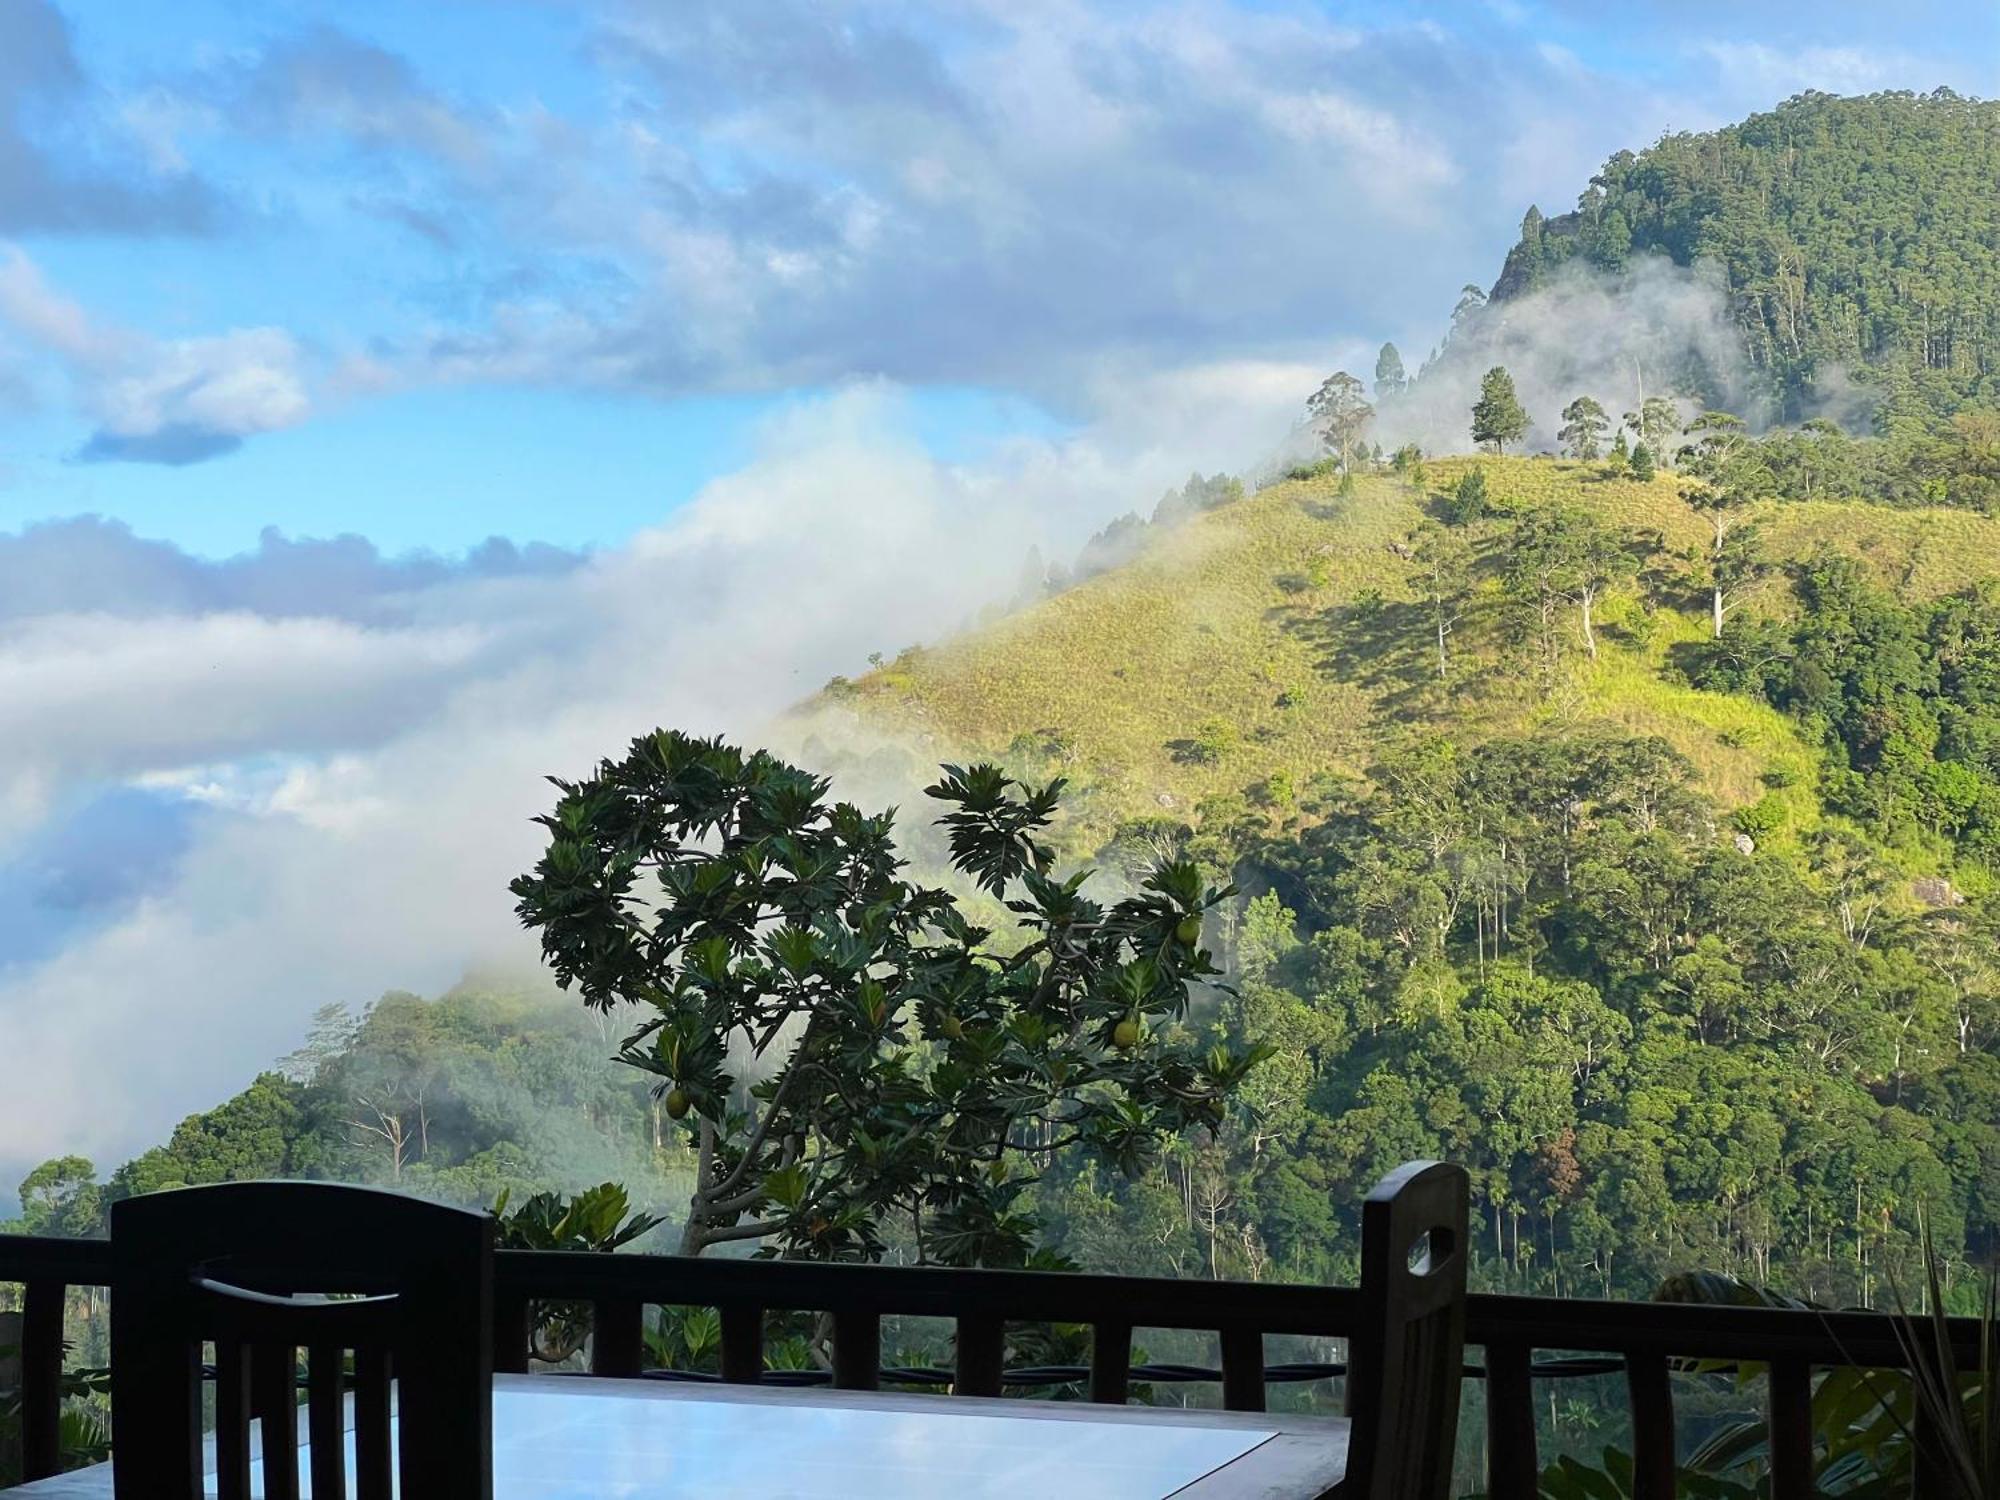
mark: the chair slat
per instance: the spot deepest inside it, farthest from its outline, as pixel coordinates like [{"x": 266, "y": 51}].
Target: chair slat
[
  {"x": 274, "y": 1402},
  {"x": 1242, "y": 1369},
  {"x": 617, "y": 1337},
  {"x": 1512, "y": 1465},
  {"x": 41, "y": 1378},
  {"x": 981, "y": 1350},
  {"x": 326, "y": 1425},
  {"x": 1652, "y": 1396},
  {"x": 374, "y": 1453},
  {"x": 857, "y": 1349},
  {"x": 1111, "y": 1363},
  {"x": 1791, "y": 1433},
  {"x": 232, "y": 1422},
  {"x": 742, "y": 1344}
]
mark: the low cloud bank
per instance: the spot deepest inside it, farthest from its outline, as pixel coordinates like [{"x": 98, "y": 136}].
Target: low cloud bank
[{"x": 364, "y": 776}]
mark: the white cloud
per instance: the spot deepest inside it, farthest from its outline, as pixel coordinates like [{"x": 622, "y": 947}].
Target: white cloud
[
  {"x": 171, "y": 400},
  {"x": 369, "y": 790}
]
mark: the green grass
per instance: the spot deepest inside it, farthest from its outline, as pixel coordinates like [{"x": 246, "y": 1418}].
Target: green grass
[{"x": 1291, "y": 616}]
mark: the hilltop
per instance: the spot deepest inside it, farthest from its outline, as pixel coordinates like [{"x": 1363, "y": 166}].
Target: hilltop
[
  {"x": 1281, "y": 637},
  {"x": 1854, "y": 236}
]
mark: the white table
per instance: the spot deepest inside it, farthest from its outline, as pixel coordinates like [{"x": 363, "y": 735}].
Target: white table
[{"x": 569, "y": 1438}]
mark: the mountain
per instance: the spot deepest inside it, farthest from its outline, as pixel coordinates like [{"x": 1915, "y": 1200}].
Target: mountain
[
  {"x": 1855, "y": 237},
  {"x": 1684, "y": 945}
]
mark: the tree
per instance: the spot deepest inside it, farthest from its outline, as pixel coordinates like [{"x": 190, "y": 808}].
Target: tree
[
  {"x": 1736, "y": 566},
  {"x": 1642, "y": 464},
  {"x": 1390, "y": 379},
  {"x": 841, "y": 1044},
  {"x": 1340, "y": 413},
  {"x": 61, "y": 1196},
  {"x": 1619, "y": 459},
  {"x": 1444, "y": 574},
  {"x": 1497, "y": 417},
  {"x": 1601, "y": 558},
  {"x": 1653, "y": 424},
  {"x": 1727, "y": 474},
  {"x": 1471, "y": 301},
  {"x": 1469, "y": 499},
  {"x": 1584, "y": 426}
]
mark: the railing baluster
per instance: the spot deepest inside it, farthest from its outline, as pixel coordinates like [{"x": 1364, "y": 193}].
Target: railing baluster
[
  {"x": 1242, "y": 1369},
  {"x": 1111, "y": 1363},
  {"x": 742, "y": 1344},
  {"x": 511, "y": 1332},
  {"x": 326, "y": 1428},
  {"x": 1652, "y": 1396},
  {"x": 1930, "y": 1470},
  {"x": 232, "y": 1421},
  {"x": 41, "y": 1378},
  {"x": 1512, "y": 1465},
  {"x": 1791, "y": 1436},
  {"x": 617, "y": 1337},
  {"x": 981, "y": 1348},
  {"x": 857, "y": 1349},
  {"x": 274, "y": 1402}
]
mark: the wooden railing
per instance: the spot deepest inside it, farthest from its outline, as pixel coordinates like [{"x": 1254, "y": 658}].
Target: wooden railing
[{"x": 1646, "y": 1339}]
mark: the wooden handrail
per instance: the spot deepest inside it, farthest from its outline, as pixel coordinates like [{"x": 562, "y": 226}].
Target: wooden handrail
[{"x": 1648, "y": 1336}]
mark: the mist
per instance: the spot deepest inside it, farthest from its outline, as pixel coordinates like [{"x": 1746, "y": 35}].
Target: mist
[
  {"x": 348, "y": 792},
  {"x": 1656, "y": 329}
]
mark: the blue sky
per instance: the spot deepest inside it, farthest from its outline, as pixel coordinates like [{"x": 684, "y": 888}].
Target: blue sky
[
  {"x": 765, "y": 334},
  {"x": 538, "y": 270}
]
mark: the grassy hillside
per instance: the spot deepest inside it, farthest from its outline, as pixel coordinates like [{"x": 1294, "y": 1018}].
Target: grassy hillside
[{"x": 1283, "y": 635}]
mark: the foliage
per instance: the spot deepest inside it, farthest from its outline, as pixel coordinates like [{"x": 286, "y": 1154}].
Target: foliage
[
  {"x": 1497, "y": 417},
  {"x": 1469, "y": 499},
  {"x": 843, "y": 1045},
  {"x": 1390, "y": 378},
  {"x": 1339, "y": 411},
  {"x": 1583, "y": 429},
  {"x": 1820, "y": 218},
  {"x": 598, "y": 1219}
]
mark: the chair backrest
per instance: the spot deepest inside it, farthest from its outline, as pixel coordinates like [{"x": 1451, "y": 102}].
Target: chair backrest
[
  {"x": 240, "y": 1266},
  {"x": 1405, "y": 1360}
]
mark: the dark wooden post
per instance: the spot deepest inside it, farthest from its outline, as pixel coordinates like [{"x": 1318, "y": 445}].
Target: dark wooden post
[
  {"x": 1652, "y": 1396},
  {"x": 617, "y": 1337},
  {"x": 41, "y": 1378},
  {"x": 1513, "y": 1468},
  {"x": 1242, "y": 1369},
  {"x": 981, "y": 1349},
  {"x": 1111, "y": 1363},
  {"x": 1791, "y": 1430},
  {"x": 857, "y": 1349},
  {"x": 742, "y": 1344},
  {"x": 511, "y": 1332}
]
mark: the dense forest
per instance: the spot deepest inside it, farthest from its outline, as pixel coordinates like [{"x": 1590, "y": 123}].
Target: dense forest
[{"x": 1857, "y": 237}]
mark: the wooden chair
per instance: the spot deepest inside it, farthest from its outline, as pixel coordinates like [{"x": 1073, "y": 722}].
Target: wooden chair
[
  {"x": 1406, "y": 1358},
  {"x": 227, "y": 1265}
]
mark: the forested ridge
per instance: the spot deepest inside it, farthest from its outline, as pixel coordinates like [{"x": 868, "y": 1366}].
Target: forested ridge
[{"x": 1856, "y": 237}]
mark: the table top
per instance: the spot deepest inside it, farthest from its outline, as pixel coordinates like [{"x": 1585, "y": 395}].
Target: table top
[{"x": 558, "y": 1437}]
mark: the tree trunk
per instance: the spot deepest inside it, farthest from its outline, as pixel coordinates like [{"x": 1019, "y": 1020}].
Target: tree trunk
[{"x": 1589, "y": 635}]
